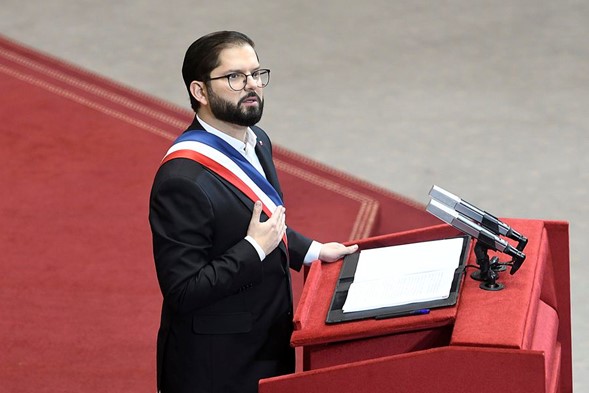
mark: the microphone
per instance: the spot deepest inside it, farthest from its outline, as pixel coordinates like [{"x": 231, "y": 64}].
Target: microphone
[
  {"x": 471, "y": 228},
  {"x": 485, "y": 219}
]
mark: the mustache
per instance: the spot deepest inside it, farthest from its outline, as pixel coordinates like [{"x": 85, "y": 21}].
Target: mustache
[{"x": 249, "y": 95}]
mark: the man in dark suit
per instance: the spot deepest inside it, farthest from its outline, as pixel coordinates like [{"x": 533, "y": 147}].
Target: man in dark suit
[{"x": 221, "y": 255}]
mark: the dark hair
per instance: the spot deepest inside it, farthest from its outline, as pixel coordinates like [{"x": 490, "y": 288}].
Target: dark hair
[{"x": 203, "y": 56}]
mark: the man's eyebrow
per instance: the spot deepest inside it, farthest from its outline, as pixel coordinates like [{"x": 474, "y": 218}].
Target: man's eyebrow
[{"x": 241, "y": 70}]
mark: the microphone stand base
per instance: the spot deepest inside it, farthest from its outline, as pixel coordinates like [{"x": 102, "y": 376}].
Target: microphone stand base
[{"x": 491, "y": 287}]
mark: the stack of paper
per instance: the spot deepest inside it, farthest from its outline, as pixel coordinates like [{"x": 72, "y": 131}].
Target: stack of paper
[{"x": 397, "y": 275}]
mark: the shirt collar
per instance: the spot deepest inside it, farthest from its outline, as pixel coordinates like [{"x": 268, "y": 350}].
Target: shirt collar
[{"x": 241, "y": 146}]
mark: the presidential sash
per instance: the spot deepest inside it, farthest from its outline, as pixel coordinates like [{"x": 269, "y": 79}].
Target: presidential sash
[{"x": 222, "y": 159}]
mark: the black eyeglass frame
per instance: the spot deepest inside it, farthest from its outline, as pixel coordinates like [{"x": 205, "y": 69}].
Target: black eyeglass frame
[{"x": 259, "y": 72}]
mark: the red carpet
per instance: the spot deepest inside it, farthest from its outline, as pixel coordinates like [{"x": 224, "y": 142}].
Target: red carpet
[{"x": 79, "y": 300}]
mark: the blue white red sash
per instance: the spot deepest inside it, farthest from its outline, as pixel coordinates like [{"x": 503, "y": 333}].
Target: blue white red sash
[{"x": 221, "y": 158}]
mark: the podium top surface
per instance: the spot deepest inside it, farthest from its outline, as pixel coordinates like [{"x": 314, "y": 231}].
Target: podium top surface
[
  {"x": 310, "y": 327},
  {"x": 480, "y": 317}
]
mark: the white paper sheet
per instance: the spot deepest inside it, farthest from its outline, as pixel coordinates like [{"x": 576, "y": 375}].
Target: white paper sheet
[{"x": 397, "y": 275}]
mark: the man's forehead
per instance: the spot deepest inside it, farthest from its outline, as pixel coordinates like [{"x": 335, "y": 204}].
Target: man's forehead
[{"x": 238, "y": 57}]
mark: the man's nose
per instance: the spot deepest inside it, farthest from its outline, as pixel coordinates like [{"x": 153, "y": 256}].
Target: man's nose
[{"x": 250, "y": 83}]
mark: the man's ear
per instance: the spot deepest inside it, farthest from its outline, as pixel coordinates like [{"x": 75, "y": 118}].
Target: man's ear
[{"x": 198, "y": 92}]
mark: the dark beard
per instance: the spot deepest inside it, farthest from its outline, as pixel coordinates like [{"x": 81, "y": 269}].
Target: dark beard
[{"x": 232, "y": 113}]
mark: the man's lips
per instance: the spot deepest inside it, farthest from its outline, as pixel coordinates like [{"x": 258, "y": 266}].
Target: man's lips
[{"x": 251, "y": 100}]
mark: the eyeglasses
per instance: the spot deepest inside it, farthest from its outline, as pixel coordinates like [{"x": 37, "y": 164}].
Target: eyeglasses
[{"x": 238, "y": 80}]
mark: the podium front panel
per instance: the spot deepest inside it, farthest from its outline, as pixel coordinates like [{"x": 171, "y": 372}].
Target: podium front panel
[{"x": 442, "y": 370}]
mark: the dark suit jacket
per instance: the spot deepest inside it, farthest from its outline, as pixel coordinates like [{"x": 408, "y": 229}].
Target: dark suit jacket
[{"x": 226, "y": 316}]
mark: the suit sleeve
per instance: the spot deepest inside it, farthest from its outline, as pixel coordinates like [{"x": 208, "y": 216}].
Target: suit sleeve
[
  {"x": 189, "y": 273},
  {"x": 298, "y": 245}
]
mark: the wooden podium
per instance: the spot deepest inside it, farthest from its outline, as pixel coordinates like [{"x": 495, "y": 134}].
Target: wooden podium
[{"x": 514, "y": 340}]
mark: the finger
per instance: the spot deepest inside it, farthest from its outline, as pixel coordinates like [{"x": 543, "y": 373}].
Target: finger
[
  {"x": 348, "y": 250},
  {"x": 257, "y": 212},
  {"x": 282, "y": 222},
  {"x": 278, "y": 215},
  {"x": 283, "y": 225},
  {"x": 353, "y": 248}
]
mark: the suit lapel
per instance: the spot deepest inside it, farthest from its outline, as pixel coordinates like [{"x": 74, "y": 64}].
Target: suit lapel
[
  {"x": 265, "y": 156},
  {"x": 267, "y": 164}
]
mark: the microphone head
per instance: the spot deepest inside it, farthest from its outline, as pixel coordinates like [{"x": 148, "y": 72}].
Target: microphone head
[
  {"x": 447, "y": 198},
  {"x": 441, "y": 211}
]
